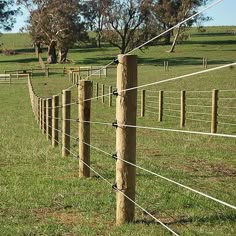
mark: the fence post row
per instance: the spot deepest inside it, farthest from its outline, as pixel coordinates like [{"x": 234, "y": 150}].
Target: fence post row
[
  {"x": 84, "y": 109},
  {"x": 214, "y": 110},
  {"x": 126, "y": 113},
  {"x": 66, "y": 111}
]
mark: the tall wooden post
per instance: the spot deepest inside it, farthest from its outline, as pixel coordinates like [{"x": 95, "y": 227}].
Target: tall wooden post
[
  {"x": 214, "y": 111},
  {"x": 55, "y": 121},
  {"x": 66, "y": 110},
  {"x": 41, "y": 111},
  {"x": 103, "y": 92},
  {"x": 126, "y": 113},
  {"x": 44, "y": 117},
  {"x": 49, "y": 119},
  {"x": 85, "y": 93},
  {"x": 97, "y": 91},
  {"x": 110, "y": 96},
  {"x": 182, "y": 108},
  {"x": 143, "y": 102},
  {"x": 160, "y": 105}
]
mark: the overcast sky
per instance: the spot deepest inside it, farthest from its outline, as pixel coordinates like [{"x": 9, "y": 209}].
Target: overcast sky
[{"x": 223, "y": 13}]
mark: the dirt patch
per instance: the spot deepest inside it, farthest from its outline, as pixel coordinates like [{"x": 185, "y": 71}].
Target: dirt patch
[
  {"x": 215, "y": 168},
  {"x": 59, "y": 214}
]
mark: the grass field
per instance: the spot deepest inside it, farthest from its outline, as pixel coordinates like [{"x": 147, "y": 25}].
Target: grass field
[{"x": 40, "y": 192}]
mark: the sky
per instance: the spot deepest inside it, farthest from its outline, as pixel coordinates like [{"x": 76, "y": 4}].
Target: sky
[{"x": 223, "y": 14}]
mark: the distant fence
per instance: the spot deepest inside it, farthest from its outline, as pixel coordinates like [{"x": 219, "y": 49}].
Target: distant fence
[
  {"x": 213, "y": 107},
  {"x": 13, "y": 78}
]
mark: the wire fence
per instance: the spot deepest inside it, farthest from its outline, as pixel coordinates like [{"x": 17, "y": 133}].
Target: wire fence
[{"x": 62, "y": 123}]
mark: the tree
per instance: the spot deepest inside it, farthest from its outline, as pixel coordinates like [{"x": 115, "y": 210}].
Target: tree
[
  {"x": 126, "y": 23},
  {"x": 7, "y": 15},
  {"x": 55, "y": 23},
  {"x": 171, "y": 12},
  {"x": 94, "y": 14}
]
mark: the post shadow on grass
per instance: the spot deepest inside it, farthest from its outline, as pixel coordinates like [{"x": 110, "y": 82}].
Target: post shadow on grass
[
  {"x": 212, "y": 42},
  {"x": 214, "y": 218},
  {"x": 20, "y": 60}
]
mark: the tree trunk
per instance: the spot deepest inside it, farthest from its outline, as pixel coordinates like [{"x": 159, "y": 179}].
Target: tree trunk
[
  {"x": 38, "y": 45},
  {"x": 52, "y": 56},
  {"x": 175, "y": 39},
  {"x": 99, "y": 39},
  {"x": 63, "y": 55},
  {"x": 167, "y": 37}
]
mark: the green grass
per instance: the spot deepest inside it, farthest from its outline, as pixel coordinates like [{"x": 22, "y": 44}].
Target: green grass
[{"x": 41, "y": 193}]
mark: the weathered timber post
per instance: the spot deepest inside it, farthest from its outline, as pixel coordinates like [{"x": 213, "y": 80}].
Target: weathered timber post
[
  {"x": 38, "y": 115},
  {"x": 41, "y": 114},
  {"x": 55, "y": 121},
  {"x": 143, "y": 102},
  {"x": 103, "y": 92},
  {"x": 182, "y": 108},
  {"x": 126, "y": 113},
  {"x": 44, "y": 116},
  {"x": 49, "y": 119},
  {"x": 97, "y": 91},
  {"x": 160, "y": 118},
  {"x": 66, "y": 110},
  {"x": 214, "y": 111},
  {"x": 36, "y": 107},
  {"x": 110, "y": 96},
  {"x": 85, "y": 93}
]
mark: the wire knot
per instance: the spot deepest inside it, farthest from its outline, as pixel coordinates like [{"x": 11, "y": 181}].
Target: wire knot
[
  {"x": 115, "y": 93},
  {"x": 114, "y": 187},
  {"x": 114, "y": 124},
  {"x": 116, "y": 61},
  {"x": 114, "y": 156}
]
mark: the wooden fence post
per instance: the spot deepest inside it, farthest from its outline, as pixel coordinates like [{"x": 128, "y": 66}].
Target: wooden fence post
[
  {"x": 36, "y": 107},
  {"x": 110, "y": 96},
  {"x": 97, "y": 91},
  {"x": 161, "y": 93},
  {"x": 126, "y": 113},
  {"x": 66, "y": 110},
  {"x": 49, "y": 119},
  {"x": 40, "y": 112},
  {"x": 85, "y": 93},
  {"x": 143, "y": 102},
  {"x": 214, "y": 111},
  {"x": 44, "y": 116},
  {"x": 182, "y": 107},
  {"x": 103, "y": 92},
  {"x": 55, "y": 121}
]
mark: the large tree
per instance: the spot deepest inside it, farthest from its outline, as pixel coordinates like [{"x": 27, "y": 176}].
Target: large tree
[
  {"x": 55, "y": 23},
  {"x": 7, "y": 14},
  {"x": 94, "y": 14},
  {"x": 169, "y": 13},
  {"x": 126, "y": 23}
]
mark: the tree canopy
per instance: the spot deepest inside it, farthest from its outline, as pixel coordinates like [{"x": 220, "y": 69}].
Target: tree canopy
[
  {"x": 56, "y": 23},
  {"x": 7, "y": 15}
]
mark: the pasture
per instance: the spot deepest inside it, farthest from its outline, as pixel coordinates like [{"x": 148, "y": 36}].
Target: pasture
[{"x": 41, "y": 192}]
